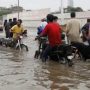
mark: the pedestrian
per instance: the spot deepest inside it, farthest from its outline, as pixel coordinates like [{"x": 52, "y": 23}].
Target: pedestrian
[
  {"x": 5, "y": 22},
  {"x": 7, "y": 28},
  {"x": 14, "y": 22},
  {"x": 73, "y": 29},
  {"x": 86, "y": 32}
]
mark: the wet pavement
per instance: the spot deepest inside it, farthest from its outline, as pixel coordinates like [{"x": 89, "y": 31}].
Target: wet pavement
[{"x": 20, "y": 71}]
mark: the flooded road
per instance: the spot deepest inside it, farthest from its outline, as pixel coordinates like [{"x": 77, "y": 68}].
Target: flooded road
[{"x": 20, "y": 71}]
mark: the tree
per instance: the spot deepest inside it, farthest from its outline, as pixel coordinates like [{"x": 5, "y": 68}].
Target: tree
[
  {"x": 73, "y": 9},
  {"x": 16, "y": 8},
  {"x": 4, "y": 11}
]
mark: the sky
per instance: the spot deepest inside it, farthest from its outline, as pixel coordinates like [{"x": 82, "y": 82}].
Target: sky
[{"x": 39, "y": 4}]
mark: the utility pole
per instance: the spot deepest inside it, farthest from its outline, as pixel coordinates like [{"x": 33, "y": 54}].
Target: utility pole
[
  {"x": 62, "y": 12},
  {"x": 18, "y": 9}
]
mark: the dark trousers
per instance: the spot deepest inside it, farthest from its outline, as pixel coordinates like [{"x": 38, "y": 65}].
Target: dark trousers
[
  {"x": 11, "y": 34},
  {"x": 7, "y": 34},
  {"x": 46, "y": 52},
  {"x": 89, "y": 41}
]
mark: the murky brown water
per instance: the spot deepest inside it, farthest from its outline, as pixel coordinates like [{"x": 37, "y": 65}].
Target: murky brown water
[{"x": 20, "y": 71}]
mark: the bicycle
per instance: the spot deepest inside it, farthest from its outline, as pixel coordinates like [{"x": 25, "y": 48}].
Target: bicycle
[{"x": 19, "y": 44}]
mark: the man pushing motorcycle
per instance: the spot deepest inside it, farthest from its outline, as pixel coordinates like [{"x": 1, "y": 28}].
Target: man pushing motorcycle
[
  {"x": 17, "y": 29},
  {"x": 53, "y": 31}
]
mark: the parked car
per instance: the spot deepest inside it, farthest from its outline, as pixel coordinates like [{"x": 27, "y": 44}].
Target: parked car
[{"x": 1, "y": 26}]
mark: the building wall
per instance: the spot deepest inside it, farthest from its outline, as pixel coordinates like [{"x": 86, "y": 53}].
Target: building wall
[
  {"x": 29, "y": 18},
  {"x": 32, "y": 18},
  {"x": 81, "y": 16}
]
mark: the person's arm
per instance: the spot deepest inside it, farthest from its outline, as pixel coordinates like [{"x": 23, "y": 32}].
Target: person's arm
[
  {"x": 12, "y": 29},
  {"x": 60, "y": 28},
  {"x": 84, "y": 30},
  {"x": 22, "y": 30},
  {"x": 67, "y": 28},
  {"x": 85, "y": 27},
  {"x": 45, "y": 31},
  {"x": 84, "y": 34}
]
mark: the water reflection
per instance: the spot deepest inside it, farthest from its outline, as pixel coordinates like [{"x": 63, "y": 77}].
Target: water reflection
[{"x": 56, "y": 76}]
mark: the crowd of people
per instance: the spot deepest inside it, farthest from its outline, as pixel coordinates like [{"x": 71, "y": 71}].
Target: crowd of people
[
  {"x": 8, "y": 24},
  {"x": 13, "y": 28},
  {"x": 50, "y": 27},
  {"x": 53, "y": 30}
]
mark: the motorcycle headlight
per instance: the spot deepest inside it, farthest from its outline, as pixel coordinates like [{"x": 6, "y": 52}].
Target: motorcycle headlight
[
  {"x": 70, "y": 57},
  {"x": 21, "y": 36}
]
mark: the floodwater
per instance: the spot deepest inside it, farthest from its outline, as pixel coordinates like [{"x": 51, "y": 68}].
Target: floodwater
[{"x": 20, "y": 71}]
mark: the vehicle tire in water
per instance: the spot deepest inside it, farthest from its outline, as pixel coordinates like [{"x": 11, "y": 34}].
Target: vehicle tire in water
[
  {"x": 23, "y": 47},
  {"x": 70, "y": 63}
]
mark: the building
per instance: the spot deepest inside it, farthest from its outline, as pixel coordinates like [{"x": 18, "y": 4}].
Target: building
[
  {"x": 70, "y": 3},
  {"x": 33, "y": 18},
  {"x": 30, "y": 18},
  {"x": 81, "y": 16}
]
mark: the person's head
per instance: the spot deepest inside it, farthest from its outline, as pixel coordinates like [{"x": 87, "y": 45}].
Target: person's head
[
  {"x": 43, "y": 19},
  {"x": 10, "y": 20},
  {"x": 49, "y": 18},
  {"x": 55, "y": 18},
  {"x": 14, "y": 19},
  {"x": 19, "y": 22},
  {"x": 88, "y": 20},
  {"x": 73, "y": 15},
  {"x": 5, "y": 20}
]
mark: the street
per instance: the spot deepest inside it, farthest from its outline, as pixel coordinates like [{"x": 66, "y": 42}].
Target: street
[{"x": 20, "y": 71}]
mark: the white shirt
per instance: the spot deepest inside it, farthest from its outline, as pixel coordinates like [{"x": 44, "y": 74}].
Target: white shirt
[{"x": 43, "y": 24}]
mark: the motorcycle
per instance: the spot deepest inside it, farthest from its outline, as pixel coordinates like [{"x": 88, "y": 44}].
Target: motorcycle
[
  {"x": 61, "y": 53},
  {"x": 14, "y": 43}
]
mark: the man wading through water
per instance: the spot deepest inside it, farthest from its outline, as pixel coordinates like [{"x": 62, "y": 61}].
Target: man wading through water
[
  {"x": 17, "y": 30},
  {"x": 73, "y": 29},
  {"x": 53, "y": 31}
]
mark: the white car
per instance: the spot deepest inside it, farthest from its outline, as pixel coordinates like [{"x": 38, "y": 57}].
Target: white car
[{"x": 1, "y": 26}]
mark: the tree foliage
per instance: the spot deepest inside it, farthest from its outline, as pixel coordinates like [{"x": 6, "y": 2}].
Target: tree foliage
[
  {"x": 73, "y": 9},
  {"x": 4, "y": 11}
]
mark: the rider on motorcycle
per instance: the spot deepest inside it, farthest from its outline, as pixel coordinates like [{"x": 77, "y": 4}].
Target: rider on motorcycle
[
  {"x": 41, "y": 26},
  {"x": 53, "y": 31}
]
